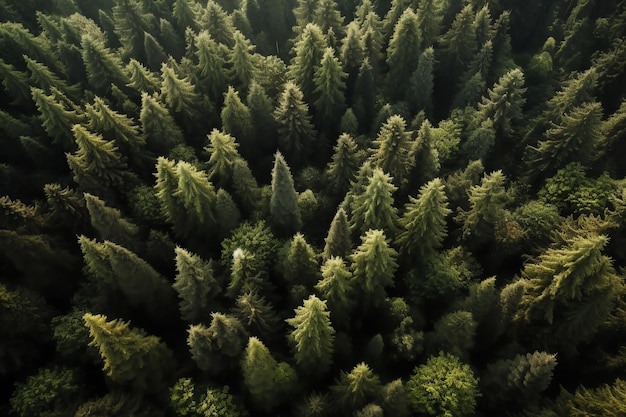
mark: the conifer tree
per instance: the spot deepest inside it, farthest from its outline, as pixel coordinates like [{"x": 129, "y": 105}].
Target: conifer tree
[
  {"x": 266, "y": 379},
  {"x": 109, "y": 222},
  {"x": 245, "y": 186},
  {"x": 336, "y": 287},
  {"x": 227, "y": 215},
  {"x": 455, "y": 332},
  {"x": 403, "y": 52},
  {"x": 110, "y": 123},
  {"x": 356, "y": 388},
  {"x": 212, "y": 76},
  {"x": 97, "y": 162},
  {"x": 15, "y": 83},
  {"x": 256, "y": 314},
  {"x": 185, "y": 14},
  {"x": 44, "y": 78},
  {"x": 342, "y": 169},
  {"x": 103, "y": 66},
  {"x": 209, "y": 346},
  {"x": 312, "y": 336},
  {"x": 338, "y": 241},
  {"x": 131, "y": 23},
  {"x": 328, "y": 18},
  {"x": 391, "y": 149},
  {"x": 430, "y": 14},
  {"x": 296, "y": 133},
  {"x": 246, "y": 273},
  {"x": 329, "y": 88},
  {"x": 178, "y": 93},
  {"x": 305, "y": 12},
  {"x": 396, "y": 9},
  {"x": 373, "y": 41},
  {"x": 351, "y": 51},
  {"x": 421, "y": 84},
  {"x": 374, "y": 207},
  {"x": 424, "y": 155},
  {"x": 284, "y": 210},
  {"x": 374, "y": 265},
  {"x": 56, "y": 118},
  {"x": 364, "y": 97},
  {"x": 215, "y": 19},
  {"x": 237, "y": 121},
  {"x": 17, "y": 40},
  {"x": 424, "y": 221},
  {"x": 130, "y": 356},
  {"x": 155, "y": 54},
  {"x": 505, "y": 102},
  {"x": 160, "y": 131},
  {"x": 223, "y": 150},
  {"x": 308, "y": 51},
  {"x": 242, "y": 64},
  {"x": 459, "y": 42},
  {"x": 195, "y": 284},
  {"x": 300, "y": 265},
  {"x": 261, "y": 111},
  {"x": 141, "y": 79}
]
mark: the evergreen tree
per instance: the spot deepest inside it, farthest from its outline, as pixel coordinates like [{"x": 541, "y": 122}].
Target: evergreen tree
[
  {"x": 342, "y": 169},
  {"x": 424, "y": 155},
  {"x": 284, "y": 210},
  {"x": 351, "y": 52},
  {"x": 42, "y": 77},
  {"x": 505, "y": 102},
  {"x": 430, "y": 14},
  {"x": 336, "y": 288},
  {"x": 424, "y": 221},
  {"x": 223, "y": 150},
  {"x": 242, "y": 64},
  {"x": 178, "y": 93},
  {"x": 356, "y": 388},
  {"x": 142, "y": 79},
  {"x": 328, "y": 18},
  {"x": 312, "y": 336},
  {"x": 131, "y": 23},
  {"x": 236, "y": 121},
  {"x": 224, "y": 337},
  {"x": 103, "y": 66},
  {"x": 108, "y": 122},
  {"x": 308, "y": 52},
  {"x": 215, "y": 19},
  {"x": 374, "y": 265},
  {"x": 109, "y": 222},
  {"x": 391, "y": 149},
  {"x": 227, "y": 215},
  {"x": 266, "y": 379},
  {"x": 364, "y": 97},
  {"x": 455, "y": 332},
  {"x": 329, "y": 88},
  {"x": 160, "y": 131},
  {"x": 443, "y": 387},
  {"x": 295, "y": 131},
  {"x": 300, "y": 265},
  {"x": 459, "y": 42},
  {"x": 245, "y": 186},
  {"x": 97, "y": 162},
  {"x": 185, "y": 14},
  {"x": 374, "y": 207},
  {"x": 403, "y": 52},
  {"x": 56, "y": 118},
  {"x": 338, "y": 241},
  {"x": 606, "y": 400},
  {"x": 261, "y": 111},
  {"x": 130, "y": 356},
  {"x": 195, "y": 284},
  {"x": 256, "y": 314},
  {"x": 246, "y": 273},
  {"x": 211, "y": 71},
  {"x": 305, "y": 12},
  {"x": 421, "y": 84},
  {"x": 155, "y": 54}
]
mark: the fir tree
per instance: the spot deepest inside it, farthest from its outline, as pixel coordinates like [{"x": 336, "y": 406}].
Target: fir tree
[
  {"x": 236, "y": 120},
  {"x": 421, "y": 84},
  {"x": 305, "y": 12},
  {"x": 155, "y": 54},
  {"x": 178, "y": 93},
  {"x": 423, "y": 154},
  {"x": 300, "y": 265},
  {"x": 242, "y": 64},
  {"x": 131, "y": 23},
  {"x": 223, "y": 150},
  {"x": 312, "y": 336},
  {"x": 256, "y": 314},
  {"x": 141, "y": 79},
  {"x": 374, "y": 265},
  {"x": 110, "y": 123},
  {"x": 328, "y": 18},
  {"x": 391, "y": 149},
  {"x": 356, "y": 388},
  {"x": 338, "y": 241},
  {"x": 261, "y": 111},
  {"x": 44, "y": 78},
  {"x": 505, "y": 102},
  {"x": 284, "y": 202},
  {"x": 246, "y": 274},
  {"x": 97, "y": 162},
  {"x": 212, "y": 76},
  {"x": 215, "y": 19},
  {"x": 227, "y": 215},
  {"x": 424, "y": 221},
  {"x": 430, "y": 14},
  {"x": 15, "y": 83},
  {"x": 459, "y": 42},
  {"x": 195, "y": 284},
  {"x": 160, "y": 131},
  {"x": 103, "y": 66},
  {"x": 109, "y": 222},
  {"x": 245, "y": 186},
  {"x": 351, "y": 52},
  {"x": 342, "y": 169},
  {"x": 374, "y": 207},
  {"x": 364, "y": 96},
  {"x": 56, "y": 118},
  {"x": 308, "y": 51},
  {"x": 130, "y": 356},
  {"x": 329, "y": 86},
  {"x": 336, "y": 287},
  {"x": 403, "y": 52}
]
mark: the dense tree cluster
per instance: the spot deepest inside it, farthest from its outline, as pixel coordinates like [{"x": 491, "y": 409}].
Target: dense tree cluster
[{"x": 312, "y": 208}]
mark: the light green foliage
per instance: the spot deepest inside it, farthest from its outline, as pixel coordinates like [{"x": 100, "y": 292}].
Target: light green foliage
[
  {"x": 338, "y": 241},
  {"x": 56, "y": 118},
  {"x": 329, "y": 19},
  {"x": 118, "y": 404},
  {"x": 538, "y": 220},
  {"x": 190, "y": 400},
  {"x": 459, "y": 42},
  {"x": 15, "y": 83},
  {"x": 374, "y": 265},
  {"x": 245, "y": 186},
  {"x": 374, "y": 207},
  {"x": 430, "y": 14},
  {"x": 505, "y": 102},
  {"x": 185, "y": 14},
  {"x": 403, "y": 52},
  {"x": 103, "y": 66},
  {"x": 443, "y": 386},
  {"x": 296, "y": 133},
  {"x": 370, "y": 410},
  {"x": 110, "y": 123},
  {"x": 606, "y": 400},
  {"x": 223, "y": 150},
  {"x": 242, "y": 64},
  {"x": 225, "y": 336},
  {"x": 256, "y": 314},
  {"x": 227, "y": 215},
  {"x": 44, "y": 78},
  {"x": 46, "y": 392},
  {"x": 130, "y": 356},
  {"x": 211, "y": 64},
  {"x": 300, "y": 265},
  {"x": 423, "y": 223},
  {"x": 195, "y": 284},
  {"x": 455, "y": 333},
  {"x": 336, "y": 287},
  {"x": 391, "y": 149},
  {"x": 215, "y": 19},
  {"x": 342, "y": 169},
  {"x": 142, "y": 79},
  {"x": 254, "y": 238},
  {"x": 284, "y": 210},
  {"x": 356, "y": 388},
  {"x": 405, "y": 341},
  {"x": 160, "y": 131},
  {"x": 97, "y": 162},
  {"x": 351, "y": 51},
  {"x": 178, "y": 93},
  {"x": 329, "y": 89},
  {"x": 308, "y": 51},
  {"x": 395, "y": 400},
  {"x": 236, "y": 119},
  {"x": 426, "y": 151},
  {"x": 312, "y": 336}
]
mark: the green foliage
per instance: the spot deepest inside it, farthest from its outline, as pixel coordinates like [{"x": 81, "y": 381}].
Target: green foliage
[
  {"x": 338, "y": 241},
  {"x": 356, "y": 388},
  {"x": 46, "y": 392},
  {"x": 300, "y": 265},
  {"x": 178, "y": 93},
  {"x": 284, "y": 210},
  {"x": 195, "y": 284},
  {"x": 455, "y": 332},
  {"x": 188, "y": 399},
  {"x": 236, "y": 119},
  {"x": 443, "y": 386},
  {"x": 160, "y": 132},
  {"x": 109, "y": 223},
  {"x": 336, "y": 287},
  {"x": 329, "y": 85},
  {"x": 255, "y": 313},
  {"x": 403, "y": 51},
  {"x": 342, "y": 169},
  {"x": 373, "y": 208},
  {"x": 606, "y": 400},
  {"x": 308, "y": 53},
  {"x": 391, "y": 149}
]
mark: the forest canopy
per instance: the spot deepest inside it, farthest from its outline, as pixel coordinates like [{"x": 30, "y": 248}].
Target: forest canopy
[{"x": 312, "y": 208}]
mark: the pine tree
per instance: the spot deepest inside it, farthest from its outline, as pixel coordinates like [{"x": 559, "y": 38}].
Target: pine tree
[
  {"x": 261, "y": 111},
  {"x": 130, "y": 356},
  {"x": 103, "y": 66},
  {"x": 284, "y": 201},
  {"x": 245, "y": 186},
  {"x": 155, "y": 54},
  {"x": 312, "y": 336},
  {"x": 195, "y": 284},
  {"x": 391, "y": 149},
  {"x": 266, "y": 379},
  {"x": 160, "y": 131},
  {"x": 364, "y": 96},
  {"x": 421, "y": 84},
  {"x": 505, "y": 102},
  {"x": 403, "y": 52},
  {"x": 356, "y": 388},
  {"x": 374, "y": 207},
  {"x": 211, "y": 72},
  {"x": 178, "y": 93},
  {"x": 424, "y": 221},
  {"x": 300, "y": 265},
  {"x": 328, "y": 18},
  {"x": 305, "y": 12},
  {"x": 351, "y": 52},
  {"x": 459, "y": 42},
  {"x": 336, "y": 287},
  {"x": 329, "y": 88},
  {"x": 374, "y": 265},
  {"x": 242, "y": 64},
  {"x": 223, "y": 150},
  {"x": 308, "y": 51},
  {"x": 131, "y": 23},
  {"x": 342, "y": 169},
  {"x": 296, "y": 133},
  {"x": 424, "y": 155},
  {"x": 236, "y": 121},
  {"x": 444, "y": 386},
  {"x": 97, "y": 162},
  {"x": 109, "y": 222},
  {"x": 338, "y": 241}
]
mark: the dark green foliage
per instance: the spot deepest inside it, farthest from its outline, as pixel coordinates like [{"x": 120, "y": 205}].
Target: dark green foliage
[
  {"x": 188, "y": 399},
  {"x": 160, "y": 132},
  {"x": 195, "y": 284},
  {"x": 329, "y": 86},
  {"x": 403, "y": 52},
  {"x": 342, "y": 170},
  {"x": 308, "y": 56},
  {"x": 373, "y": 208},
  {"x": 391, "y": 149},
  {"x": 236, "y": 119},
  {"x": 356, "y": 388},
  {"x": 300, "y": 265},
  {"x": 338, "y": 241},
  {"x": 284, "y": 210},
  {"x": 256, "y": 314}
]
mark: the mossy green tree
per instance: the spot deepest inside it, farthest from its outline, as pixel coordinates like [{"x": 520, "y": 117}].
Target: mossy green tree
[
  {"x": 356, "y": 388},
  {"x": 308, "y": 53},
  {"x": 178, "y": 93},
  {"x": 336, "y": 287},
  {"x": 109, "y": 223},
  {"x": 241, "y": 61},
  {"x": 103, "y": 66},
  {"x": 237, "y": 121},
  {"x": 300, "y": 265}
]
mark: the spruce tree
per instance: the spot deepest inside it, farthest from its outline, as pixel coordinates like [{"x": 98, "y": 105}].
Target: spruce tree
[
  {"x": 256, "y": 314},
  {"x": 305, "y": 12},
  {"x": 391, "y": 149},
  {"x": 338, "y": 241},
  {"x": 112, "y": 124},
  {"x": 356, "y": 388},
  {"x": 364, "y": 96},
  {"x": 328, "y": 18},
  {"x": 300, "y": 265},
  {"x": 227, "y": 215},
  {"x": 351, "y": 51},
  {"x": 329, "y": 88},
  {"x": 336, "y": 287},
  {"x": 419, "y": 94},
  {"x": 211, "y": 71},
  {"x": 130, "y": 356},
  {"x": 424, "y": 155},
  {"x": 96, "y": 163},
  {"x": 342, "y": 169},
  {"x": 103, "y": 66},
  {"x": 131, "y": 23},
  {"x": 215, "y": 19},
  {"x": 295, "y": 131},
  {"x": 308, "y": 51},
  {"x": 459, "y": 42},
  {"x": 505, "y": 102},
  {"x": 15, "y": 83},
  {"x": 284, "y": 210},
  {"x": 236, "y": 121},
  {"x": 245, "y": 186},
  {"x": 223, "y": 150},
  {"x": 261, "y": 111},
  {"x": 374, "y": 265},
  {"x": 403, "y": 53},
  {"x": 423, "y": 223},
  {"x": 430, "y": 14},
  {"x": 109, "y": 222},
  {"x": 160, "y": 131},
  {"x": 374, "y": 207},
  {"x": 312, "y": 336},
  {"x": 56, "y": 118},
  {"x": 195, "y": 284},
  {"x": 155, "y": 54},
  {"x": 141, "y": 79},
  {"x": 178, "y": 93},
  {"x": 241, "y": 61},
  {"x": 42, "y": 77}
]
